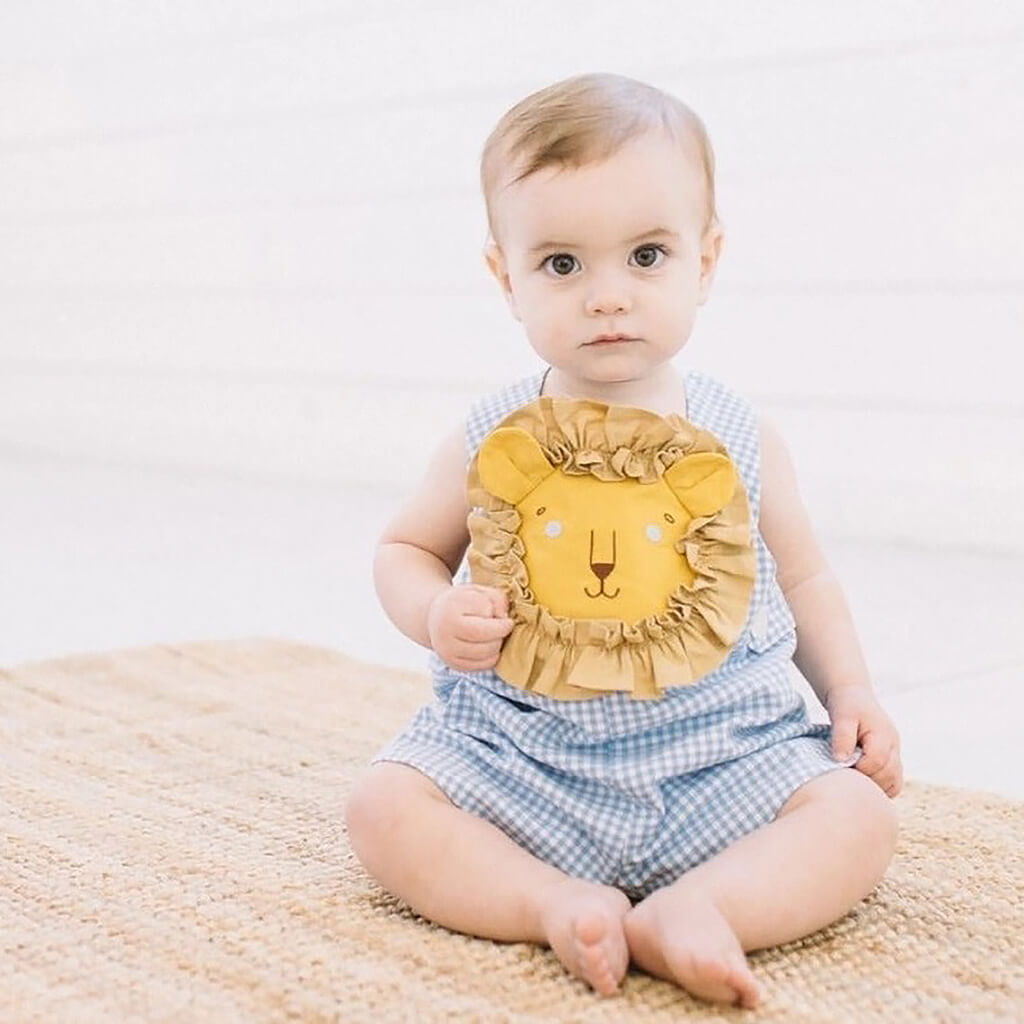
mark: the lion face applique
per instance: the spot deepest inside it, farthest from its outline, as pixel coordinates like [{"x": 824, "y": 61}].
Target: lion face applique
[{"x": 622, "y": 540}]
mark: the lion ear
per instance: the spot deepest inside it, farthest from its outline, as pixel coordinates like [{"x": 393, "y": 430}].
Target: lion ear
[
  {"x": 703, "y": 483},
  {"x": 511, "y": 463}
]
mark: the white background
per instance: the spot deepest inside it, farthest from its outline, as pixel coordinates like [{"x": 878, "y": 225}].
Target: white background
[
  {"x": 247, "y": 235},
  {"x": 242, "y": 296}
]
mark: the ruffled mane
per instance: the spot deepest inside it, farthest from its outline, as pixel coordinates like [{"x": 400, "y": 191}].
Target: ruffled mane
[{"x": 571, "y": 658}]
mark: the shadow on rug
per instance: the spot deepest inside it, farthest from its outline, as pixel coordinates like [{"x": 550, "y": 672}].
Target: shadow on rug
[{"x": 173, "y": 849}]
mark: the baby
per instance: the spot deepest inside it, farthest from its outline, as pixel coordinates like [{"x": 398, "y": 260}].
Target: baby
[{"x": 675, "y": 833}]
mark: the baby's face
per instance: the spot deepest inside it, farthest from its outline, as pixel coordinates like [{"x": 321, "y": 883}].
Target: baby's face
[{"x": 616, "y": 248}]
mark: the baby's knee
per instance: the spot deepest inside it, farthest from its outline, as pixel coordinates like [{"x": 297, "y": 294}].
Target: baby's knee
[
  {"x": 857, "y": 809},
  {"x": 869, "y": 813},
  {"x": 382, "y": 803},
  {"x": 879, "y": 812}
]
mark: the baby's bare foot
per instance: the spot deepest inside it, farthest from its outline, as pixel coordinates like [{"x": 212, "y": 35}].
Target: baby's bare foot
[
  {"x": 684, "y": 938},
  {"x": 583, "y": 924}
]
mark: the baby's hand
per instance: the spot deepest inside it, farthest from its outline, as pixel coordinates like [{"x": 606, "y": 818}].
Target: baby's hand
[
  {"x": 857, "y": 717},
  {"x": 467, "y": 624}
]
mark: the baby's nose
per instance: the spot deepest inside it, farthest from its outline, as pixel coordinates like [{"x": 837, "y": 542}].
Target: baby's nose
[{"x": 609, "y": 296}]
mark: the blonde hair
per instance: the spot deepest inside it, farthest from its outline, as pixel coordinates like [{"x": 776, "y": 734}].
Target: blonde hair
[{"x": 587, "y": 119}]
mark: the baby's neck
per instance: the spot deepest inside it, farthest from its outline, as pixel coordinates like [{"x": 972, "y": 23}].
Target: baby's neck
[{"x": 663, "y": 392}]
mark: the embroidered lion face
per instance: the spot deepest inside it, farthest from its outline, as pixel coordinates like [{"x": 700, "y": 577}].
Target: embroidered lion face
[
  {"x": 622, "y": 540},
  {"x": 597, "y": 549}
]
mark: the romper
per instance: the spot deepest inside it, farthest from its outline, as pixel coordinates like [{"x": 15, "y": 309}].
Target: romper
[{"x": 626, "y": 792}]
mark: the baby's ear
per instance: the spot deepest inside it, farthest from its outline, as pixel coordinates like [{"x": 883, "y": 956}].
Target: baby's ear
[
  {"x": 511, "y": 463},
  {"x": 703, "y": 483},
  {"x": 495, "y": 260},
  {"x": 710, "y": 251}
]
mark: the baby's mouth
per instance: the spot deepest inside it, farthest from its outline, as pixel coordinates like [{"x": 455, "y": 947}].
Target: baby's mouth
[{"x": 608, "y": 340}]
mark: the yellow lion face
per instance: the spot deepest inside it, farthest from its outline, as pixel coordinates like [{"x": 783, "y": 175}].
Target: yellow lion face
[{"x": 598, "y": 549}]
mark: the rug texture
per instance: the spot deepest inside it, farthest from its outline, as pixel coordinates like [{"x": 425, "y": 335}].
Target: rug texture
[{"x": 173, "y": 849}]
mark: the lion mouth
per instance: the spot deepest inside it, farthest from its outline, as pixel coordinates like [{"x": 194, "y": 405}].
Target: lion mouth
[{"x": 602, "y": 570}]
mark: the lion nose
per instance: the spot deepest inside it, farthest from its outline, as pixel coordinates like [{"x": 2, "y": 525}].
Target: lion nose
[{"x": 601, "y": 569}]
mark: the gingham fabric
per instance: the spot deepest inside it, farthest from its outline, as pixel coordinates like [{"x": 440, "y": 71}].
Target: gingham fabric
[{"x": 627, "y": 792}]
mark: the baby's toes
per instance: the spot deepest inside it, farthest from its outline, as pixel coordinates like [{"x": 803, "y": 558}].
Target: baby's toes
[
  {"x": 601, "y": 963},
  {"x": 717, "y": 977},
  {"x": 710, "y": 977},
  {"x": 596, "y": 972},
  {"x": 742, "y": 981}
]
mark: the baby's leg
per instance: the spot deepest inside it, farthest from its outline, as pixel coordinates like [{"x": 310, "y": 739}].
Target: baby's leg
[
  {"x": 825, "y": 851},
  {"x": 462, "y": 872}
]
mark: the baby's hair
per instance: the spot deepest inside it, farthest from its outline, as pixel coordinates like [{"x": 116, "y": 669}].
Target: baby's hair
[{"x": 586, "y": 119}]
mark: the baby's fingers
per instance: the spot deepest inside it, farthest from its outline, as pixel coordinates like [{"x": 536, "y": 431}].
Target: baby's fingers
[
  {"x": 889, "y": 778},
  {"x": 886, "y": 773},
  {"x": 844, "y": 737},
  {"x": 476, "y": 629},
  {"x": 499, "y": 602},
  {"x": 878, "y": 750},
  {"x": 473, "y": 656},
  {"x": 476, "y": 599},
  {"x": 476, "y": 659}
]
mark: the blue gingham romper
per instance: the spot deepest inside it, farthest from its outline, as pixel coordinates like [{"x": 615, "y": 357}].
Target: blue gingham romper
[{"x": 631, "y": 793}]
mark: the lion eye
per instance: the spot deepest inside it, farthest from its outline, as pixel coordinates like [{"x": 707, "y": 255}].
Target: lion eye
[
  {"x": 653, "y": 533},
  {"x": 553, "y": 528},
  {"x": 542, "y": 510},
  {"x": 668, "y": 518}
]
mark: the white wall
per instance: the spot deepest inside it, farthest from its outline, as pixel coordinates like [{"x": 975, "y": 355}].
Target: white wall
[{"x": 246, "y": 235}]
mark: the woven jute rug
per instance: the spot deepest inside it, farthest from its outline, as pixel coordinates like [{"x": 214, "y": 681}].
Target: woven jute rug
[{"x": 173, "y": 849}]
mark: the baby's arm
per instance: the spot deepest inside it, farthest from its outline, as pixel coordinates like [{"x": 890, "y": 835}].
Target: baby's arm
[
  {"x": 417, "y": 555},
  {"x": 828, "y": 653}
]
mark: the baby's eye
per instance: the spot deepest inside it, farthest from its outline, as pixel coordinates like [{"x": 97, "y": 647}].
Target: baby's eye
[
  {"x": 649, "y": 256},
  {"x": 553, "y": 528},
  {"x": 561, "y": 264},
  {"x": 653, "y": 533}
]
